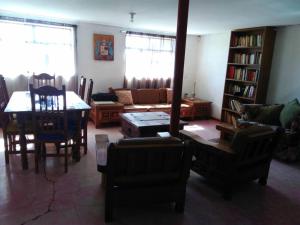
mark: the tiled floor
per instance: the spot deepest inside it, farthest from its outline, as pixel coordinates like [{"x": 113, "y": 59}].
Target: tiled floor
[{"x": 79, "y": 197}]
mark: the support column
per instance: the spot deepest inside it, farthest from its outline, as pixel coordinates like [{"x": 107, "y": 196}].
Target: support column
[{"x": 182, "y": 20}]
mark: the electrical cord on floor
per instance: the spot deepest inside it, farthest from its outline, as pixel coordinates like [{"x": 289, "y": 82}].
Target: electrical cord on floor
[{"x": 51, "y": 200}]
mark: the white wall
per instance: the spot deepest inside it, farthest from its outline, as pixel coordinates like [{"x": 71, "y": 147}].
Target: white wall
[
  {"x": 111, "y": 73},
  {"x": 104, "y": 73},
  {"x": 212, "y": 63},
  {"x": 190, "y": 64},
  {"x": 284, "y": 82}
]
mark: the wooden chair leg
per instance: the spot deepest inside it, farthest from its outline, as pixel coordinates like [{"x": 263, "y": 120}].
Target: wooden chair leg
[
  {"x": 66, "y": 157},
  {"x": 85, "y": 141},
  {"x": 6, "y": 149},
  {"x": 36, "y": 157},
  {"x": 227, "y": 192},
  {"x": 263, "y": 181},
  {"x": 108, "y": 206}
]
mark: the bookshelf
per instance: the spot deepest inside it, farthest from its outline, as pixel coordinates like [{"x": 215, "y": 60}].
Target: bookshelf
[{"x": 248, "y": 69}]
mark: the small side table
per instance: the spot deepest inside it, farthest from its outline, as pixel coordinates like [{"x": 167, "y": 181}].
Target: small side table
[
  {"x": 105, "y": 113},
  {"x": 200, "y": 108}
]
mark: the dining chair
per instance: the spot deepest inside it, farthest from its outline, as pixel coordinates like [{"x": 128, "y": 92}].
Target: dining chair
[
  {"x": 85, "y": 117},
  {"x": 50, "y": 121},
  {"x": 10, "y": 126},
  {"x": 82, "y": 84},
  {"x": 43, "y": 79}
]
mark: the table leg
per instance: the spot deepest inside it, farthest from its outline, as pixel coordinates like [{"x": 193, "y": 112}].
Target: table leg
[
  {"x": 76, "y": 147},
  {"x": 21, "y": 117}
]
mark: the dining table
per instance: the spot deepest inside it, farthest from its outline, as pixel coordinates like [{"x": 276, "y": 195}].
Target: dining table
[{"x": 20, "y": 105}]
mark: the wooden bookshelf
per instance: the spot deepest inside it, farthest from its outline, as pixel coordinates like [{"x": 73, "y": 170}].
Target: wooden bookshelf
[{"x": 248, "y": 68}]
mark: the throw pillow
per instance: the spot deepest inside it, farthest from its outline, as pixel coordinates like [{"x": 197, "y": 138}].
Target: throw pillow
[
  {"x": 269, "y": 115},
  {"x": 169, "y": 95},
  {"x": 289, "y": 113},
  {"x": 124, "y": 97},
  {"x": 104, "y": 97}
]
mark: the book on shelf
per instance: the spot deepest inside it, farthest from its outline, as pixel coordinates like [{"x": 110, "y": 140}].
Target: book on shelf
[
  {"x": 244, "y": 74},
  {"x": 235, "y": 105},
  {"x": 253, "y": 40},
  {"x": 247, "y": 58}
]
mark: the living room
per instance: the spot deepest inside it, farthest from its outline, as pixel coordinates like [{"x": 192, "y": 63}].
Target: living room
[{"x": 78, "y": 197}]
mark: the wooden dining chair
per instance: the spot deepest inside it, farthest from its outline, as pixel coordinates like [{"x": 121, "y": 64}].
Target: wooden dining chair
[
  {"x": 43, "y": 79},
  {"x": 85, "y": 117},
  {"x": 82, "y": 84},
  {"x": 50, "y": 121},
  {"x": 10, "y": 126}
]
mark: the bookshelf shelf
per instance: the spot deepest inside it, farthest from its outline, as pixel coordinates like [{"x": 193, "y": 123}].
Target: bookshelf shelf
[
  {"x": 242, "y": 81},
  {"x": 246, "y": 48},
  {"x": 248, "y": 69},
  {"x": 239, "y": 97},
  {"x": 242, "y": 64}
]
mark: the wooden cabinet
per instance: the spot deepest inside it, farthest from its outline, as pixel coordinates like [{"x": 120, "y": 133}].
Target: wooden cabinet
[
  {"x": 248, "y": 69},
  {"x": 105, "y": 113},
  {"x": 200, "y": 108}
]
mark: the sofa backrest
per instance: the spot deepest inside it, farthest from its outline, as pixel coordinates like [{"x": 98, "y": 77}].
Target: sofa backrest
[{"x": 146, "y": 96}]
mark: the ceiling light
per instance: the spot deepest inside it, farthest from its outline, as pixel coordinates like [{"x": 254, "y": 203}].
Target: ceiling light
[{"x": 132, "y": 14}]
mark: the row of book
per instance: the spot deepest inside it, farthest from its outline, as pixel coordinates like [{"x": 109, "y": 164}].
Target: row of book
[
  {"x": 235, "y": 105},
  {"x": 254, "y": 40},
  {"x": 229, "y": 118},
  {"x": 247, "y": 58},
  {"x": 239, "y": 90},
  {"x": 244, "y": 74}
]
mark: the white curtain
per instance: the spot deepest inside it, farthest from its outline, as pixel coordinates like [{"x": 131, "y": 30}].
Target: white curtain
[
  {"x": 149, "y": 57},
  {"x": 27, "y": 48}
]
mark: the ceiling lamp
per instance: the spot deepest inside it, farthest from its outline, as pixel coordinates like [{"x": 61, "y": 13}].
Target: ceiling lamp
[{"x": 132, "y": 14}]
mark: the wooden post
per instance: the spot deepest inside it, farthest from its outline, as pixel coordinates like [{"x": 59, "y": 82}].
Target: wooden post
[{"x": 182, "y": 19}]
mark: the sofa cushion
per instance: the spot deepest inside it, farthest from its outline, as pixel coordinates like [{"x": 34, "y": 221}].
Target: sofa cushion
[
  {"x": 148, "y": 96},
  {"x": 289, "y": 113},
  {"x": 163, "y": 95},
  {"x": 269, "y": 115},
  {"x": 169, "y": 95},
  {"x": 124, "y": 96},
  {"x": 133, "y": 92},
  {"x": 137, "y": 108}
]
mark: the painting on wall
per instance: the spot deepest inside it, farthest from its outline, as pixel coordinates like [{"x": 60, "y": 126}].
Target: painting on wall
[{"x": 103, "y": 47}]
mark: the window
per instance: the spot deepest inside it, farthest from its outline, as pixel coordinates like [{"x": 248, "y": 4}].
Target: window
[
  {"x": 27, "y": 48},
  {"x": 149, "y": 56}
]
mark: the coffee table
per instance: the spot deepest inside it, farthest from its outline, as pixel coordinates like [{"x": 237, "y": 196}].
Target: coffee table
[{"x": 146, "y": 124}]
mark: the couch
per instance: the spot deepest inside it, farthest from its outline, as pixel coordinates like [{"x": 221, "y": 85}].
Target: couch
[
  {"x": 133, "y": 100},
  {"x": 285, "y": 119},
  {"x": 150, "y": 100}
]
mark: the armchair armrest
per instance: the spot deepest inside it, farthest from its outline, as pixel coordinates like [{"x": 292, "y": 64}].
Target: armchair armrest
[{"x": 221, "y": 145}]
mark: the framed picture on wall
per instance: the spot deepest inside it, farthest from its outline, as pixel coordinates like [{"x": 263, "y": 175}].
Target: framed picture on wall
[{"x": 103, "y": 47}]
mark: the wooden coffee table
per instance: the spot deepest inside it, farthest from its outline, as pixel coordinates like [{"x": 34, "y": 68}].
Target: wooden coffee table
[{"x": 146, "y": 124}]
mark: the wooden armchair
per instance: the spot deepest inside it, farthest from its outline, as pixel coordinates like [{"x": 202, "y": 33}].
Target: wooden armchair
[
  {"x": 147, "y": 169},
  {"x": 50, "y": 121},
  {"x": 247, "y": 157},
  {"x": 43, "y": 79}
]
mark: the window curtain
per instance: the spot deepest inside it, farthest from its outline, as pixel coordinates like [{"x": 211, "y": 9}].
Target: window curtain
[
  {"x": 149, "y": 60},
  {"x": 28, "y": 48}
]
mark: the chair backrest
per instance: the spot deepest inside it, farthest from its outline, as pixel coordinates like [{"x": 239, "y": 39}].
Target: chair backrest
[
  {"x": 253, "y": 144},
  {"x": 82, "y": 84},
  {"x": 153, "y": 160},
  {"x": 43, "y": 79},
  {"x": 49, "y": 111},
  {"x": 4, "y": 118},
  {"x": 89, "y": 92}
]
